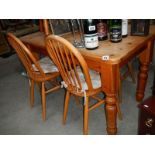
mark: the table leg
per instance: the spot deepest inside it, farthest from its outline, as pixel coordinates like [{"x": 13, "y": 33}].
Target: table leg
[
  {"x": 143, "y": 72},
  {"x": 111, "y": 114},
  {"x": 142, "y": 79},
  {"x": 110, "y": 84}
]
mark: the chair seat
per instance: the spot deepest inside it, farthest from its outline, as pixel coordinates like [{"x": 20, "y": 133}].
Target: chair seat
[
  {"x": 47, "y": 65},
  {"x": 95, "y": 78}
]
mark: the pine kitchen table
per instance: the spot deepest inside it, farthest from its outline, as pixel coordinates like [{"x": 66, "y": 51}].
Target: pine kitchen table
[{"x": 107, "y": 59}]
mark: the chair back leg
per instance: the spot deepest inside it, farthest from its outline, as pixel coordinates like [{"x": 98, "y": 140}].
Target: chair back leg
[
  {"x": 43, "y": 98},
  {"x": 31, "y": 92},
  {"x": 85, "y": 119},
  {"x": 66, "y": 107}
]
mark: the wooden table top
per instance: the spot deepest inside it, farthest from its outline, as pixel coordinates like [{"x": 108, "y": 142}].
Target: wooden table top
[{"x": 116, "y": 51}]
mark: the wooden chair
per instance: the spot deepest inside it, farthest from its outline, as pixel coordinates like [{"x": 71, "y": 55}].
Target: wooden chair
[
  {"x": 77, "y": 78},
  {"x": 38, "y": 71}
]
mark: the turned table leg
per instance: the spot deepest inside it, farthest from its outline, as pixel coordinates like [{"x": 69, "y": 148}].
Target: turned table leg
[
  {"x": 142, "y": 79},
  {"x": 143, "y": 72},
  {"x": 111, "y": 114},
  {"x": 110, "y": 76}
]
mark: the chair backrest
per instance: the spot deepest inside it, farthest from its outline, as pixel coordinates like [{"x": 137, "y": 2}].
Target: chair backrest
[
  {"x": 67, "y": 58},
  {"x": 25, "y": 55}
]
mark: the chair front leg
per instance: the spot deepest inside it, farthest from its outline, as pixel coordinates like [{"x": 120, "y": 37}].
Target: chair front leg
[
  {"x": 66, "y": 107},
  {"x": 85, "y": 116},
  {"x": 43, "y": 98},
  {"x": 31, "y": 92}
]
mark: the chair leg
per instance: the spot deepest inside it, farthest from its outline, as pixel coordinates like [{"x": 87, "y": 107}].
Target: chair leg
[
  {"x": 85, "y": 117},
  {"x": 66, "y": 107},
  {"x": 43, "y": 101},
  {"x": 31, "y": 93},
  {"x": 131, "y": 71}
]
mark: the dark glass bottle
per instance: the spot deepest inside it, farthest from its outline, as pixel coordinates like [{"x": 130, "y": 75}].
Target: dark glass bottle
[
  {"x": 115, "y": 30},
  {"x": 102, "y": 29},
  {"x": 90, "y": 34},
  {"x": 124, "y": 27}
]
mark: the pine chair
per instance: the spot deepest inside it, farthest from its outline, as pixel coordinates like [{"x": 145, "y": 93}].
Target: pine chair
[
  {"x": 77, "y": 78},
  {"x": 38, "y": 71}
]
